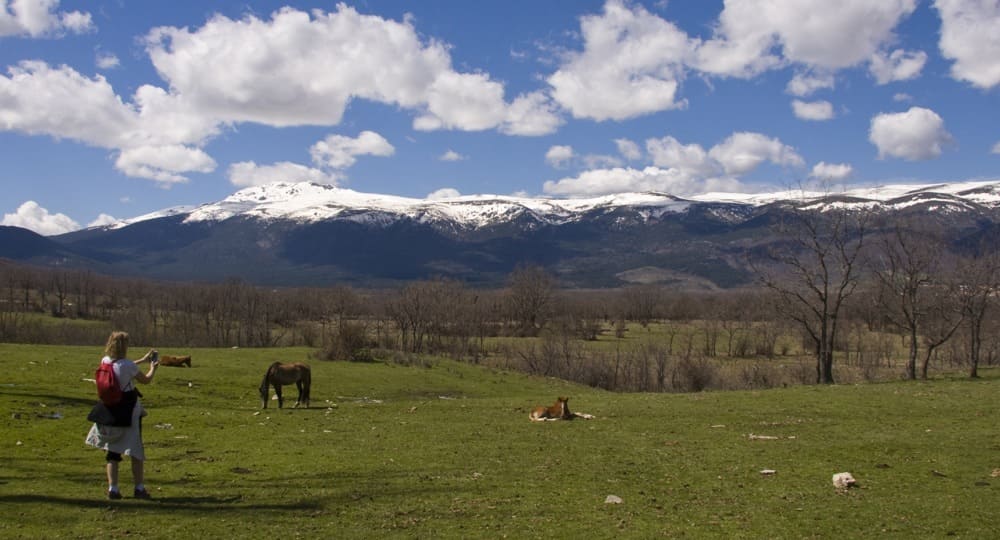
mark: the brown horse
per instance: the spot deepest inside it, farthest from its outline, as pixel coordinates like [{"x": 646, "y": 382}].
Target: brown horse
[
  {"x": 558, "y": 411},
  {"x": 166, "y": 360},
  {"x": 279, "y": 374}
]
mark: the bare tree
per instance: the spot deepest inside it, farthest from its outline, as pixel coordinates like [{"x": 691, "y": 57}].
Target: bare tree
[
  {"x": 641, "y": 303},
  {"x": 529, "y": 298},
  {"x": 813, "y": 271},
  {"x": 60, "y": 283},
  {"x": 10, "y": 318},
  {"x": 904, "y": 267},
  {"x": 944, "y": 316},
  {"x": 428, "y": 308},
  {"x": 980, "y": 282}
]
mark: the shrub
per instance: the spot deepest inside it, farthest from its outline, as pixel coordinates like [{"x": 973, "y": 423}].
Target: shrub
[
  {"x": 348, "y": 341},
  {"x": 693, "y": 374}
]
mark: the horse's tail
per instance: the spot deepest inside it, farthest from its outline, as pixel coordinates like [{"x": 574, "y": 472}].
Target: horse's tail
[{"x": 306, "y": 383}]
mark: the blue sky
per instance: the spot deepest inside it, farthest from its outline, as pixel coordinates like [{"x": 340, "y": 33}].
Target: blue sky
[{"x": 113, "y": 109}]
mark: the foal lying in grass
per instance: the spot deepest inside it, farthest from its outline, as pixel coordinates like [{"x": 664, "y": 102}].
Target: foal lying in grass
[{"x": 557, "y": 411}]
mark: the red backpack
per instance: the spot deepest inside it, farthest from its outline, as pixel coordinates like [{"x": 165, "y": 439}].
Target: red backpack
[{"x": 108, "y": 389}]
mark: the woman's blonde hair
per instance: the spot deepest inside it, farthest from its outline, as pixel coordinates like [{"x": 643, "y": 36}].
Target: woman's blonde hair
[{"x": 117, "y": 347}]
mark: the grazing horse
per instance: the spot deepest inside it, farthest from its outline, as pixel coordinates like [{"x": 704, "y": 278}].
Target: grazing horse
[
  {"x": 178, "y": 361},
  {"x": 279, "y": 374},
  {"x": 558, "y": 411}
]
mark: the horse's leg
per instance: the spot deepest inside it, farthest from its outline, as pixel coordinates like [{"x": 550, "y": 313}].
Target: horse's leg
[
  {"x": 298, "y": 385},
  {"x": 306, "y": 384},
  {"x": 277, "y": 392}
]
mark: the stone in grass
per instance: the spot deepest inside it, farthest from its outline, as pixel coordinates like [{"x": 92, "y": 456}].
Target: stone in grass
[
  {"x": 613, "y": 499},
  {"x": 844, "y": 480}
]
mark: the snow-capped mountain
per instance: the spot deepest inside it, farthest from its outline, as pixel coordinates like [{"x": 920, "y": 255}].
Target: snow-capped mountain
[
  {"x": 309, "y": 234},
  {"x": 312, "y": 203}
]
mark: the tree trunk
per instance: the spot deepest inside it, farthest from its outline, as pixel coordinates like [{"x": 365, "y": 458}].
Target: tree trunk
[
  {"x": 826, "y": 367},
  {"x": 975, "y": 346},
  {"x": 911, "y": 363}
]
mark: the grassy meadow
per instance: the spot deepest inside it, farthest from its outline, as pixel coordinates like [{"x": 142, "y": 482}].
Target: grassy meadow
[{"x": 446, "y": 451}]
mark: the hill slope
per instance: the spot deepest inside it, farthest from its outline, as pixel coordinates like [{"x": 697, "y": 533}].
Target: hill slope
[{"x": 307, "y": 234}]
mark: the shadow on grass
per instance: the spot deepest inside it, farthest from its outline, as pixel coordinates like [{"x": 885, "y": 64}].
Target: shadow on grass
[
  {"x": 52, "y": 400},
  {"x": 196, "y": 504}
]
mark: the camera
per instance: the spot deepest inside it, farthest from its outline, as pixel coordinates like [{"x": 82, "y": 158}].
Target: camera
[{"x": 156, "y": 357}]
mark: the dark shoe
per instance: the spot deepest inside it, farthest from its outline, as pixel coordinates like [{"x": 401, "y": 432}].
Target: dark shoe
[
  {"x": 114, "y": 495},
  {"x": 141, "y": 494}
]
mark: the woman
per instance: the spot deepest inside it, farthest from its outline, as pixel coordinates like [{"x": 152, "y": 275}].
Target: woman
[{"x": 124, "y": 436}]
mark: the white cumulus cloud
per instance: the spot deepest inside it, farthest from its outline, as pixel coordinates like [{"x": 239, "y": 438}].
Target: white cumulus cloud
[
  {"x": 619, "y": 180},
  {"x": 163, "y": 163},
  {"x": 340, "y": 152},
  {"x": 594, "y": 161},
  {"x": 743, "y": 152},
  {"x": 248, "y": 173},
  {"x": 41, "y": 100},
  {"x": 682, "y": 169},
  {"x": 470, "y": 101},
  {"x": 33, "y": 217},
  {"x": 752, "y": 36},
  {"x": 805, "y": 84},
  {"x": 559, "y": 155},
  {"x": 899, "y": 65},
  {"x": 37, "y": 18},
  {"x": 691, "y": 159},
  {"x": 631, "y": 64},
  {"x": 916, "y": 134},
  {"x": 296, "y": 69},
  {"x": 970, "y": 35},
  {"x": 38, "y": 99},
  {"x": 304, "y": 68},
  {"x": 444, "y": 193},
  {"x": 103, "y": 220},
  {"x": 812, "y": 110},
  {"x": 106, "y": 60},
  {"x": 451, "y": 155},
  {"x": 831, "y": 171},
  {"x": 628, "y": 149},
  {"x": 531, "y": 115}
]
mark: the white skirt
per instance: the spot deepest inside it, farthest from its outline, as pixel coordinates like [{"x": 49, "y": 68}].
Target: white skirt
[{"x": 121, "y": 440}]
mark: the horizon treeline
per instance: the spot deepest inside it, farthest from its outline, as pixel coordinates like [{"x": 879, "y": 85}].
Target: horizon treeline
[{"x": 818, "y": 293}]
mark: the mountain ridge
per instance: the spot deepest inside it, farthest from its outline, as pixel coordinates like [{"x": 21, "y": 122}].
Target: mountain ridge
[
  {"x": 316, "y": 235},
  {"x": 309, "y": 202}
]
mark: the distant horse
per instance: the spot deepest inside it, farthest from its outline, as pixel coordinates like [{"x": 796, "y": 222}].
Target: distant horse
[
  {"x": 279, "y": 374},
  {"x": 558, "y": 411},
  {"x": 178, "y": 361}
]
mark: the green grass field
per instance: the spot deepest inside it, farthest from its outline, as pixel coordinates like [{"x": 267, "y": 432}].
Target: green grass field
[{"x": 447, "y": 452}]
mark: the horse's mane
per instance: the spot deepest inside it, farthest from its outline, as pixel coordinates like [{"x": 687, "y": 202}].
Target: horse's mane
[
  {"x": 267, "y": 373},
  {"x": 279, "y": 374}
]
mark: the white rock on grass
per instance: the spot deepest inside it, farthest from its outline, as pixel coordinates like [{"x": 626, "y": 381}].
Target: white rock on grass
[{"x": 844, "y": 480}]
